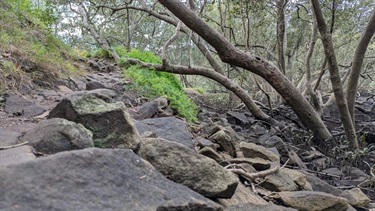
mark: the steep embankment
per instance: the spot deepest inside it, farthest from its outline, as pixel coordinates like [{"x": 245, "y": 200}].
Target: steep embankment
[{"x": 30, "y": 55}]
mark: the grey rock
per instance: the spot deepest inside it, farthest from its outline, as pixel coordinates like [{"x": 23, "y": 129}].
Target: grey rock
[
  {"x": 182, "y": 165},
  {"x": 211, "y": 153},
  {"x": 236, "y": 118},
  {"x": 19, "y": 106},
  {"x": 202, "y": 142},
  {"x": 251, "y": 150},
  {"x": 94, "y": 179},
  {"x": 108, "y": 120},
  {"x": 147, "y": 110},
  {"x": 225, "y": 141},
  {"x": 258, "y": 163},
  {"x": 108, "y": 92},
  {"x": 356, "y": 197},
  {"x": 9, "y": 137},
  {"x": 333, "y": 171},
  {"x": 94, "y": 85},
  {"x": 258, "y": 207},
  {"x": 299, "y": 178},
  {"x": 242, "y": 195},
  {"x": 16, "y": 155},
  {"x": 169, "y": 128},
  {"x": 279, "y": 181},
  {"x": 320, "y": 185},
  {"x": 56, "y": 135},
  {"x": 312, "y": 200}
]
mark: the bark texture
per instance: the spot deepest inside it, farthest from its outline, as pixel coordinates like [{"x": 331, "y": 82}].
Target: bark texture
[
  {"x": 231, "y": 55},
  {"x": 334, "y": 75},
  {"x": 357, "y": 62}
]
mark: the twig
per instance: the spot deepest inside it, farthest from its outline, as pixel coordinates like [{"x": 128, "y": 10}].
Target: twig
[{"x": 13, "y": 146}]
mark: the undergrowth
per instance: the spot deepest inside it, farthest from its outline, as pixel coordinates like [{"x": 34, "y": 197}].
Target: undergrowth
[
  {"x": 152, "y": 83},
  {"x": 28, "y": 48}
]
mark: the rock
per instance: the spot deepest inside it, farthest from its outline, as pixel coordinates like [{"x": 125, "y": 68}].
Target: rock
[
  {"x": 251, "y": 150},
  {"x": 202, "y": 142},
  {"x": 9, "y": 137},
  {"x": 299, "y": 178},
  {"x": 311, "y": 200},
  {"x": 107, "y": 92},
  {"x": 109, "y": 121},
  {"x": 94, "y": 179},
  {"x": 257, "y": 207},
  {"x": 280, "y": 181},
  {"x": 16, "y": 155},
  {"x": 182, "y": 165},
  {"x": 258, "y": 163},
  {"x": 94, "y": 85},
  {"x": 242, "y": 195},
  {"x": 333, "y": 171},
  {"x": 56, "y": 135},
  {"x": 64, "y": 90},
  {"x": 320, "y": 185},
  {"x": 169, "y": 128},
  {"x": 356, "y": 197},
  {"x": 147, "y": 110},
  {"x": 211, "y": 153},
  {"x": 19, "y": 106},
  {"x": 236, "y": 118},
  {"x": 225, "y": 142}
]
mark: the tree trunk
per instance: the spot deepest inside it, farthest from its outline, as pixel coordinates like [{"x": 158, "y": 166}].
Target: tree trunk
[
  {"x": 226, "y": 82},
  {"x": 357, "y": 62},
  {"x": 310, "y": 52},
  {"x": 229, "y": 54},
  {"x": 281, "y": 41},
  {"x": 102, "y": 42},
  {"x": 335, "y": 76}
]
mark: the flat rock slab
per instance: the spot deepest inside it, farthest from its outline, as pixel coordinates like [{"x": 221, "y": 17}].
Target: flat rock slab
[
  {"x": 182, "y": 165},
  {"x": 258, "y": 207},
  {"x": 16, "y": 155},
  {"x": 8, "y": 137},
  {"x": 311, "y": 200},
  {"x": 19, "y": 106},
  {"x": 169, "y": 128},
  {"x": 251, "y": 150},
  {"x": 94, "y": 179}
]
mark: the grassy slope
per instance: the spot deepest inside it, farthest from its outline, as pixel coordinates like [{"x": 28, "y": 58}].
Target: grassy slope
[{"x": 28, "y": 51}]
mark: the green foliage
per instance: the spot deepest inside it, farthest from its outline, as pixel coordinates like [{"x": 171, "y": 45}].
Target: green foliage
[
  {"x": 102, "y": 53},
  {"x": 24, "y": 35},
  {"x": 24, "y": 9},
  {"x": 153, "y": 83}
]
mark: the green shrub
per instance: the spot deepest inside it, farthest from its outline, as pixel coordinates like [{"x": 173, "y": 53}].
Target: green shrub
[{"x": 153, "y": 83}]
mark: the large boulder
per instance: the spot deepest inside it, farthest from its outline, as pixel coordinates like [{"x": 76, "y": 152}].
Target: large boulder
[
  {"x": 94, "y": 179},
  {"x": 184, "y": 166},
  {"x": 108, "y": 120},
  {"x": 56, "y": 135},
  {"x": 169, "y": 128}
]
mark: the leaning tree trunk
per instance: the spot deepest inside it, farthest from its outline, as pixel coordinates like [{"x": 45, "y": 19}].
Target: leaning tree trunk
[
  {"x": 226, "y": 82},
  {"x": 357, "y": 64},
  {"x": 334, "y": 75},
  {"x": 231, "y": 55},
  {"x": 102, "y": 42}
]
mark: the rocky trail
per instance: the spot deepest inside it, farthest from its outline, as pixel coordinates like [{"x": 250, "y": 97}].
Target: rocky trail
[{"x": 89, "y": 144}]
